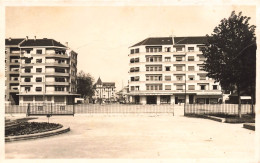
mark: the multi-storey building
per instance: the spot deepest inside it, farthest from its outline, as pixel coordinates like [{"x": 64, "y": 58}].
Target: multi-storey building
[
  {"x": 47, "y": 72},
  {"x": 104, "y": 91},
  {"x": 12, "y": 68},
  {"x": 170, "y": 70}
]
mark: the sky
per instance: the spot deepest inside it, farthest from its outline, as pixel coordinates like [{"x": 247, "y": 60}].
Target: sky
[{"x": 101, "y": 35}]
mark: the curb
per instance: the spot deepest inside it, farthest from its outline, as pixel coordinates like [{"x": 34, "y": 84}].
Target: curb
[
  {"x": 250, "y": 126},
  {"x": 222, "y": 120},
  {"x": 38, "y": 135}
]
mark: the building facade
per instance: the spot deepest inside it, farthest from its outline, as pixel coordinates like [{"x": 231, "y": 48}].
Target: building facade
[
  {"x": 169, "y": 70},
  {"x": 12, "y": 69},
  {"x": 47, "y": 72},
  {"x": 104, "y": 91}
]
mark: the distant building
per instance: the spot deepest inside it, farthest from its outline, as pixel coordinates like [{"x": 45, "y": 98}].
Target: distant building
[
  {"x": 104, "y": 91},
  {"x": 169, "y": 70},
  {"x": 46, "y": 71},
  {"x": 123, "y": 95}
]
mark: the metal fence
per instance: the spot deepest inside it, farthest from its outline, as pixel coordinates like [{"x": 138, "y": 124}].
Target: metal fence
[
  {"x": 217, "y": 109},
  {"x": 62, "y": 109},
  {"x": 40, "y": 109}
]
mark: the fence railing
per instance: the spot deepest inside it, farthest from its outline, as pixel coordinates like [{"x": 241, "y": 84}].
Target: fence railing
[
  {"x": 218, "y": 109},
  {"x": 62, "y": 109},
  {"x": 40, "y": 109}
]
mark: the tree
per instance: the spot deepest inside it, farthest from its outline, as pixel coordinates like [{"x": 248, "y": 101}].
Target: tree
[
  {"x": 85, "y": 84},
  {"x": 227, "y": 54}
]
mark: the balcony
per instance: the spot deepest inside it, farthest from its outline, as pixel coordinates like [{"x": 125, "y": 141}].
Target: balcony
[
  {"x": 56, "y": 64},
  {"x": 58, "y": 83}
]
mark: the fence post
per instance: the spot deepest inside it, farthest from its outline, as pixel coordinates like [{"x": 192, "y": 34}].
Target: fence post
[
  {"x": 73, "y": 106},
  {"x": 28, "y": 110}
]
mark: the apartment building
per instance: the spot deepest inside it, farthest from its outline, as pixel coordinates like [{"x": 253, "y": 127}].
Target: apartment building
[
  {"x": 47, "y": 72},
  {"x": 104, "y": 91},
  {"x": 169, "y": 70}
]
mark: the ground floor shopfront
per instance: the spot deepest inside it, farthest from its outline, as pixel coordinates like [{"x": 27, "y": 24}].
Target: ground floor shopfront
[
  {"x": 176, "y": 99},
  {"x": 61, "y": 99}
]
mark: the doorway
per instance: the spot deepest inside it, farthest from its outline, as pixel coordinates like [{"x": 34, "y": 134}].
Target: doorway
[{"x": 151, "y": 99}]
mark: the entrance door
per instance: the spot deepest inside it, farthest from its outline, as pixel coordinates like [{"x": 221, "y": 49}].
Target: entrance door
[
  {"x": 137, "y": 99},
  {"x": 191, "y": 98},
  {"x": 207, "y": 100},
  {"x": 151, "y": 99},
  {"x": 176, "y": 100}
]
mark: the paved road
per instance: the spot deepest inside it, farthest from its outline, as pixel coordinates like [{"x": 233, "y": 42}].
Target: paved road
[{"x": 139, "y": 136}]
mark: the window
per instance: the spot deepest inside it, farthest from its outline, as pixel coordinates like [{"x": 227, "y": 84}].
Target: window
[
  {"x": 202, "y": 58},
  {"x": 178, "y": 58},
  {"x": 202, "y": 87},
  {"x": 137, "y": 88},
  {"x": 38, "y": 69},
  {"x": 27, "y": 70},
  {"x": 27, "y": 89},
  {"x": 60, "y": 60},
  {"x": 190, "y": 49},
  {"x": 202, "y": 77},
  {"x": 190, "y": 58},
  {"x": 58, "y": 88},
  {"x": 132, "y": 51},
  {"x": 167, "y": 59},
  {"x": 201, "y": 48},
  {"x": 178, "y": 49},
  {"x": 167, "y": 68},
  {"x": 38, "y": 98},
  {"x": 132, "y": 88},
  {"x": 38, "y": 51},
  {"x": 136, "y": 69},
  {"x": 191, "y": 77},
  {"x": 61, "y": 70},
  {"x": 132, "y": 78},
  {"x": 167, "y": 78},
  {"x": 137, "y": 50},
  {"x": 38, "y": 89},
  {"x": 179, "y": 87},
  {"x": 27, "y": 60},
  {"x": 28, "y": 51},
  {"x": 136, "y": 60},
  {"x": 153, "y": 87},
  {"x": 201, "y": 67},
  {"x": 215, "y": 87},
  {"x": 191, "y": 87},
  {"x": 27, "y": 79},
  {"x": 38, "y": 60},
  {"x": 178, "y": 68},
  {"x": 136, "y": 78},
  {"x": 39, "y": 79},
  {"x": 167, "y": 87},
  {"x": 167, "y": 49},
  {"x": 179, "y": 78},
  {"x": 27, "y": 98},
  {"x": 191, "y": 68}
]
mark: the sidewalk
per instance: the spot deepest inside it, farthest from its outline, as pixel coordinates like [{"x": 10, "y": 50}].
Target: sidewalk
[{"x": 139, "y": 137}]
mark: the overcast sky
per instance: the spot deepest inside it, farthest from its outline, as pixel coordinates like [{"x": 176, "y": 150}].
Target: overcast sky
[{"x": 101, "y": 35}]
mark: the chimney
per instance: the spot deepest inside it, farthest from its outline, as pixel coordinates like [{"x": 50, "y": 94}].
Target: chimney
[
  {"x": 26, "y": 38},
  {"x": 67, "y": 44},
  {"x": 9, "y": 39},
  {"x": 34, "y": 38}
]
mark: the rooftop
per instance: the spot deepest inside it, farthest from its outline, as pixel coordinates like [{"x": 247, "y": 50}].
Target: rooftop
[
  {"x": 15, "y": 41},
  {"x": 41, "y": 42},
  {"x": 177, "y": 40}
]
